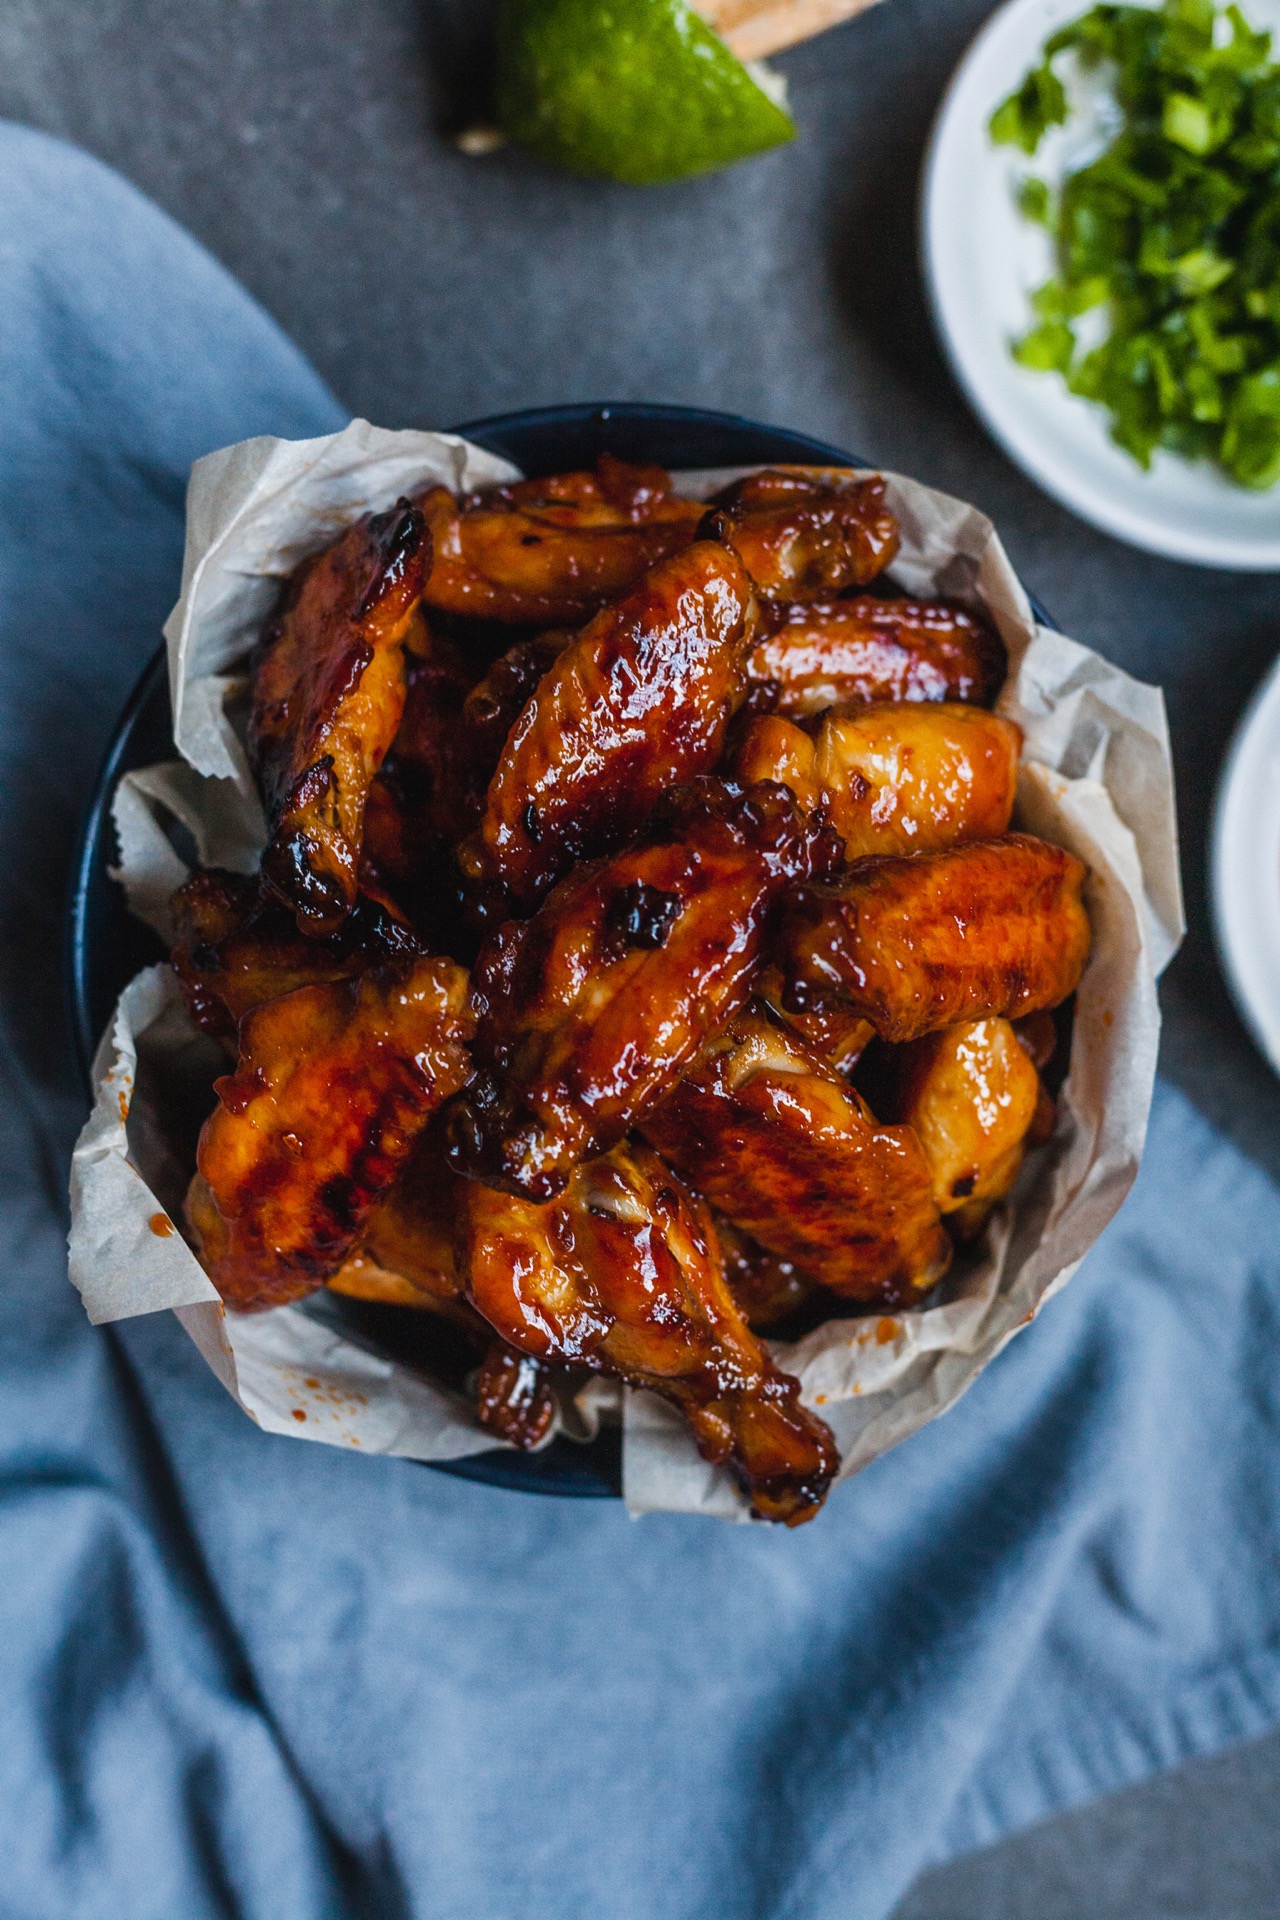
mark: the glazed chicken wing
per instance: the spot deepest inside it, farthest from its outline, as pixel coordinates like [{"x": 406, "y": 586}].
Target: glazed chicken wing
[
  {"x": 333, "y": 1086},
  {"x": 545, "y": 551},
  {"x": 589, "y": 1012},
  {"x": 897, "y": 778},
  {"x": 993, "y": 927},
  {"x": 842, "y": 652},
  {"x": 329, "y": 688},
  {"x": 788, "y": 1151},
  {"x": 639, "y": 700},
  {"x": 235, "y": 949},
  {"x": 623, "y": 1274},
  {"x": 970, "y": 1094},
  {"x": 804, "y": 533}
]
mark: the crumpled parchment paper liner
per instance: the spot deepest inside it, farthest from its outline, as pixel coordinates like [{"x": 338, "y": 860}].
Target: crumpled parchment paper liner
[{"x": 1096, "y": 777}]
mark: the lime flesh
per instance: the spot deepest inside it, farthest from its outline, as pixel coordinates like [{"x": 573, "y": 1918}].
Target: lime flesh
[{"x": 641, "y": 90}]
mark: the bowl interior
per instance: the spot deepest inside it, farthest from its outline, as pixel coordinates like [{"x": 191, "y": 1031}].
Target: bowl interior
[{"x": 107, "y": 946}]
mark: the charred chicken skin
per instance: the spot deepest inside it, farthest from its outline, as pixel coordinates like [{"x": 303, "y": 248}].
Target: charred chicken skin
[
  {"x": 235, "y": 949},
  {"x": 993, "y": 927},
  {"x": 838, "y": 653},
  {"x": 803, "y": 533},
  {"x": 554, "y": 550},
  {"x": 640, "y": 700},
  {"x": 791, "y": 1154},
  {"x": 329, "y": 690},
  {"x": 334, "y": 1084},
  {"x": 624, "y": 1274},
  {"x": 590, "y": 1011},
  {"x": 893, "y": 779}
]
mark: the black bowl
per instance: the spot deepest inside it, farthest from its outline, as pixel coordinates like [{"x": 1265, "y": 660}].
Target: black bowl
[{"x": 107, "y": 946}]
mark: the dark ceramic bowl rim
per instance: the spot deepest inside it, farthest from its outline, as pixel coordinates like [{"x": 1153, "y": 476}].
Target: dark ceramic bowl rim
[{"x": 676, "y": 436}]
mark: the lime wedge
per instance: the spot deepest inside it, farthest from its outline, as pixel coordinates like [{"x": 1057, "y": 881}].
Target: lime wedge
[{"x": 642, "y": 90}]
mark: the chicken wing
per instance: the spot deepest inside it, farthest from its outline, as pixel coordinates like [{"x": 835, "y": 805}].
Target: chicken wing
[
  {"x": 641, "y": 699},
  {"x": 334, "y": 1084},
  {"x": 970, "y": 1094},
  {"x": 788, "y": 1152},
  {"x": 590, "y": 1012},
  {"x": 992, "y": 927},
  {"x": 841, "y": 652},
  {"x": 803, "y": 533},
  {"x": 897, "y": 778},
  {"x": 623, "y": 1274},
  {"x": 329, "y": 686},
  {"x": 235, "y": 949},
  {"x": 545, "y": 551}
]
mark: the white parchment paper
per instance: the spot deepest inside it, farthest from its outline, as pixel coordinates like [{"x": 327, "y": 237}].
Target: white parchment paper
[{"x": 1096, "y": 777}]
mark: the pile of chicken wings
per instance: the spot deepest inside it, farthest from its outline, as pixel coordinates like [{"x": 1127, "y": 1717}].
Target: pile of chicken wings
[{"x": 640, "y": 957}]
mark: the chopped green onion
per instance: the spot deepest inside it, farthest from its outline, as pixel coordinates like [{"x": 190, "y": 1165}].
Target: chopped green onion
[{"x": 1172, "y": 233}]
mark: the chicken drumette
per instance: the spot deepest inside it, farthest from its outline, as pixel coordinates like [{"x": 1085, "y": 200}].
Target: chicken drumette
[{"x": 624, "y": 1274}]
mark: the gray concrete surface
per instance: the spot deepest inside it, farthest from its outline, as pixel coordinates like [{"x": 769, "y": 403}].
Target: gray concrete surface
[{"x": 306, "y": 145}]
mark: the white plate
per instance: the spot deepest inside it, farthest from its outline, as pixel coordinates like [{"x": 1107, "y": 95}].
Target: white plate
[
  {"x": 981, "y": 261},
  {"x": 1245, "y": 867}
]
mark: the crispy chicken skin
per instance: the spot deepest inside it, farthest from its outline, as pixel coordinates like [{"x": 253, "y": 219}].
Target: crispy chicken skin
[
  {"x": 897, "y": 778},
  {"x": 970, "y": 1095},
  {"x": 624, "y": 1274},
  {"x": 804, "y": 533},
  {"x": 546, "y": 551},
  {"x": 329, "y": 689},
  {"x": 842, "y": 652},
  {"x": 235, "y": 949},
  {"x": 333, "y": 1086},
  {"x": 590, "y": 1012},
  {"x": 790, "y": 1153},
  {"x": 992, "y": 927},
  {"x": 640, "y": 700}
]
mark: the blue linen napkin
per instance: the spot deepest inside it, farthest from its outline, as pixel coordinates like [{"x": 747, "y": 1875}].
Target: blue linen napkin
[{"x": 250, "y": 1676}]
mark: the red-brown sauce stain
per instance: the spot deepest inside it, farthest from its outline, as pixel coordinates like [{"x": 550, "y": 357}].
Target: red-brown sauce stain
[
  {"x": 161, "y": 1225},
  {"x": 298, "y": 1414},
  {"x": 886, "y": 1330}
]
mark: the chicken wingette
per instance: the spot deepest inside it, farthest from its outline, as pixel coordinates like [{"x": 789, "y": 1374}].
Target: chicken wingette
[
  {"x": 641, "y": 698},
  {"x": 896, "y": 778},
  {"x": 806, "y": 532},
  {"x": 833, "y": 653},
  {"x": 328, "y": 695},
  {"x": 556, "y": 549},
  {"x": 333, "y": 1085},
  {"x": 990, "y": 927}
]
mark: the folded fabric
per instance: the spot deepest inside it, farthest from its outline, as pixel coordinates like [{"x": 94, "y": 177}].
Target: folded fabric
[{"x": 245, "y": 1676}]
